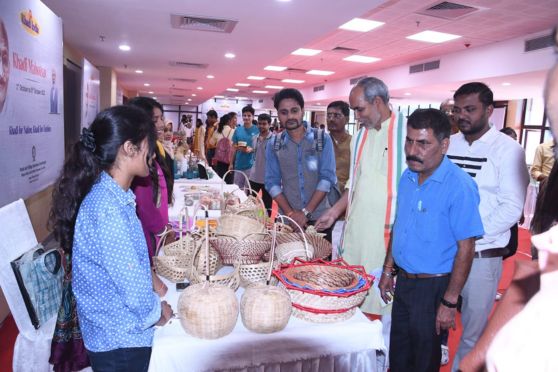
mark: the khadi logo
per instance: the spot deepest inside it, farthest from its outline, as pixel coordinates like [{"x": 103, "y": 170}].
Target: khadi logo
[{"x": 29, "y": 23}]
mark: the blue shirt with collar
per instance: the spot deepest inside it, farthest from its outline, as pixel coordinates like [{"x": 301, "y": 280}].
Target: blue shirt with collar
[
  {"x": 432, "y": 217},
  {"x": 298, "y": 169},
  {"x": 111, "y": 276}
]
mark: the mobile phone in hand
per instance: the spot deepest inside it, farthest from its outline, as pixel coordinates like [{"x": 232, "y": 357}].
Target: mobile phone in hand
[{"x": 181, "y": 286}]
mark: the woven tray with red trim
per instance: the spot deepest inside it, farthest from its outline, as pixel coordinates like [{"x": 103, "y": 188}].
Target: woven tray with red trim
[{"x": 325, "y": 287}]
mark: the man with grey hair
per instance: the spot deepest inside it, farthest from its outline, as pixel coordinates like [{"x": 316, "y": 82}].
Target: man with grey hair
[{"x": 377, "y": 162}]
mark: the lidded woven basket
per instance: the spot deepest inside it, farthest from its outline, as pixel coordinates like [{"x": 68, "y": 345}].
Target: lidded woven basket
[{"x": 208, "y": 310}]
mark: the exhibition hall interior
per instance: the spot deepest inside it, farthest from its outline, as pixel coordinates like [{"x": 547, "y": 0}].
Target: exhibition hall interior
[{"x": 310, "y": 170}]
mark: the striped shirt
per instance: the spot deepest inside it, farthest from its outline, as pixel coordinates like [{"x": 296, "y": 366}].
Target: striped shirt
[{"x": 497, "y": 164}]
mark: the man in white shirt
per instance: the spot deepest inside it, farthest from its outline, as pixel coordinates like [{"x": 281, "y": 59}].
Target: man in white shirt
[{"x": 497, "y": 164}]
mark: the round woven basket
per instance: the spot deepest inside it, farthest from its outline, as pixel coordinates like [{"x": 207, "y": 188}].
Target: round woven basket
[
  {"x": 322, "y": 248},
  {"x": 208, "y": 311},
  {"x": 318, "y": 317},
  {"x": 253, "y": 207},
  {"x": 256, "y": 273},
  {"x": 240, "y": 226},
  {"x": 322, "y": 290},
  {"x": 174, "y": 268},
  {"x": 215, "y": 262},
  {"x": 265, "y": 308},
  {"x": 241, "y": 251},
  {"x": 286, "y": 252}
]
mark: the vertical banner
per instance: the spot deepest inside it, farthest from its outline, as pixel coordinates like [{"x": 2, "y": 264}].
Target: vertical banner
[
  {"x": 89, "y": 93},
  {"x": 31, "y": 98}
]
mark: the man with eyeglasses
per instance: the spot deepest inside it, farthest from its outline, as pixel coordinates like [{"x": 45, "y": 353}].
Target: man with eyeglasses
[{"x": 337, "y": 119}]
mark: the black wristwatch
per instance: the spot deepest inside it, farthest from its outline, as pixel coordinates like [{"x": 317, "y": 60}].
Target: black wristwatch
[
  {"x": 448, "y": 304},
  {"x": 307, "y": 214}
]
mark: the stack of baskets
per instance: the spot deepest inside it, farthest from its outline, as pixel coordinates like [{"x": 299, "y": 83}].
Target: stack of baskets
[{"x": 324, "y": 292}]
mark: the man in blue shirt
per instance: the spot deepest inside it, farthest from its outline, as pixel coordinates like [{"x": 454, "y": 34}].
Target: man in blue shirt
[
  {"x": 243, "y": 157},
  {"x": 433, "y": 244},
  {"x": 299, "y": 171}
]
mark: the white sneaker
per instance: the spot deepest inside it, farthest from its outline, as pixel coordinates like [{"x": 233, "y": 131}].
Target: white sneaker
[{"x": 445, "y": 355}]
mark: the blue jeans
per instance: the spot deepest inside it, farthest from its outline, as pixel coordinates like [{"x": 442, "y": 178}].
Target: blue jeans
[{"x": 133, "y": 359}]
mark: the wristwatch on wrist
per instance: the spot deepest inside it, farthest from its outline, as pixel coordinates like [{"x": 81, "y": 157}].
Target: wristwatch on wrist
[
  {"x": 448, "y": 304},
  {"x": 307, "y": 214}
]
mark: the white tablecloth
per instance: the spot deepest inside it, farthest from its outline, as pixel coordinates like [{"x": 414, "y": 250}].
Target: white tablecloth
[{"x": 302, "y": 346}]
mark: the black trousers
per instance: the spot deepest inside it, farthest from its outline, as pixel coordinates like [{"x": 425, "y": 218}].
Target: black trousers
[
  {"x": 221, "y": 169},
  {"x": 134, "y": 359},
  {"x": 414, "y": 344},
  {"x": 267, "y": 199}
]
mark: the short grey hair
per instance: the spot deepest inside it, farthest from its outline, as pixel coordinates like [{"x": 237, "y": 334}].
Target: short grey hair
[{"x": 373, "y": 88}]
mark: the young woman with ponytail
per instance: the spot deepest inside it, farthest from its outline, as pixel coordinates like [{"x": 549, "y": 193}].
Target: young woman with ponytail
[{"x": 94, "y": 218}]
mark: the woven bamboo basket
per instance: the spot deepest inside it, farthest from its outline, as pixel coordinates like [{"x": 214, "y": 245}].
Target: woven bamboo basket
[
  {"x": 240, "y": 226},
  {"x": 208, "y": 310},
  {"x": 253, "y": 207},
  {"x": 256, "y": 273},
  {"x": 322, "y": 248},
  {"x": 174, "y": 268},
  {"x": 286, "y": 252},
  {"x": 265, "y": 308},
  {"x": 323, "y": 291},
  {"x": 199, "y": 275},
  {"x": 247, "y": 250}
]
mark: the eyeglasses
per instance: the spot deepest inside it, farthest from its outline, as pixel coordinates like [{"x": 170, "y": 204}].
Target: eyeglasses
[{"x": 334, "y": 115}]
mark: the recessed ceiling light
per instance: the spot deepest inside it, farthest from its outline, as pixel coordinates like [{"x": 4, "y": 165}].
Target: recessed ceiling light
[
  {"x": 274, "y": 87},
  {"x": 407, "y": 93},
  {"x": 361, "y": 59},
  {"x": 219, "y": 97},
  {"x": 306, "y": 52},
  {"x": 124, "y": 47},
  {"x": 240, "y": 97},
  {"x": 139, "y": 71},
  {"x": 210, "y": 76},
  {"x": 242, "y": 84},
  {"x": 146, "y": 84},
  {"x": 194, "y": 94},
  {"x": 230, "y": 55},
  {"x": 284, "y": 1},
  {"x": 433, "y": 37},
  {"x": 150, "y": 92},
  {"x": 251, "y": 77},
  {"x": 199, "y": 88},
  {"x": 320, "y": 72},
  {"x": 189, "y": 99},
  {"x": 275, "y": 68},
  {"x": 360, "y": 25},
  {"x": 260, "y": 91},
  {"x": 506, "y": 84},
  {"x": 292, "y": 81},
  {"x": 232, "y": 89},
  {"x": 319, "y": 104}
]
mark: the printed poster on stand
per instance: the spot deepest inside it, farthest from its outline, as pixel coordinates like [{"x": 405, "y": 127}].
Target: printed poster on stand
[
  {"x": 31, "y": 98},
  {"x": 89, "y": 93}
]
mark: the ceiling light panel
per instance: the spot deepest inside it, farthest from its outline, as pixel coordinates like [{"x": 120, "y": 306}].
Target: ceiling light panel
[
  {"x": 275, "y": 68},
  {"x": 433, "y": 37},
  {"x": 274, "y": 87},
  {"x": 360, "y": 25},
  {"x": 232, "y": 89},
  {"x": 242, "y": 84},
  {"x": 320, "y": 72},
  {"x": 361, "y": 59},
  {"x": 292, "y": 81},
  {"x": 251, "y": 77},
  {"x": 306, "y": 52}
]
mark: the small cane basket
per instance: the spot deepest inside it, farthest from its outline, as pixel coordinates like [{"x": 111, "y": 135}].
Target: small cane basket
[
  {"x": 240, "y": 226},
  {"x": 253, "y": 207},
  {"x": 208, "y": 310},
  {"x": 178, "y": 256},
  {"x": 323, "y": 291},
  {"x": 247, "y": 250},
  {"x": 322, "y": 248},
  {"x": 265, "y": 308}
]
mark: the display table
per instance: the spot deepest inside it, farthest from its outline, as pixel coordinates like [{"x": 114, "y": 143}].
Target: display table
[{"x": 302, "y": 346}]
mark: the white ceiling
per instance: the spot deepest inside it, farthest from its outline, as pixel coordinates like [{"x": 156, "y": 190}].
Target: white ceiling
[{"x": 269, "y": 30}]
